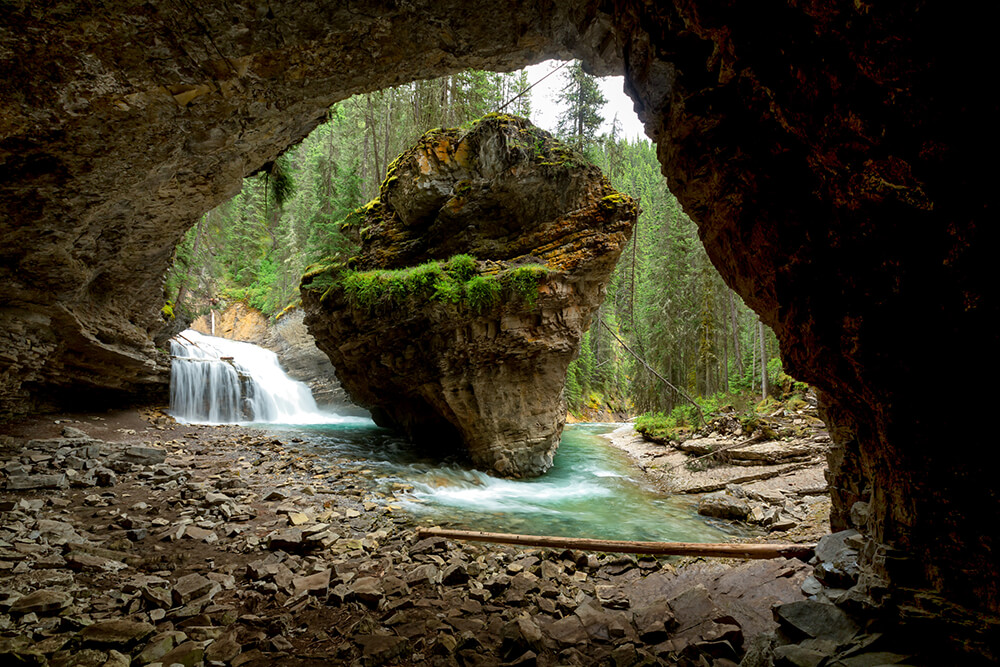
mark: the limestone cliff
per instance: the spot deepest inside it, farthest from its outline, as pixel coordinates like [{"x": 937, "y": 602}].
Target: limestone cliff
[{"x": 482, "y": 261}]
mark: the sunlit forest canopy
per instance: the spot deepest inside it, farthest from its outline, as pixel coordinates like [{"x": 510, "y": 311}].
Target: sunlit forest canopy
[{"x": 666, "y": 301}]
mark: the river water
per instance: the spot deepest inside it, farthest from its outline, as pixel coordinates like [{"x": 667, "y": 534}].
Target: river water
[{"x": 592, "y": 490}]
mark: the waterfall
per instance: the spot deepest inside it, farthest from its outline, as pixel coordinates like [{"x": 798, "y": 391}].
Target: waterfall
[{"x": 220, "y": 381}]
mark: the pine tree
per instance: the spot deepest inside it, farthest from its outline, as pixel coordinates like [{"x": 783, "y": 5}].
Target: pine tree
[{"x": 583, "y": 101}]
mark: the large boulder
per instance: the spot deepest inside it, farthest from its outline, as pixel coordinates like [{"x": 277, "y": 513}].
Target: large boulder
[{"x": 482, "y": 262}]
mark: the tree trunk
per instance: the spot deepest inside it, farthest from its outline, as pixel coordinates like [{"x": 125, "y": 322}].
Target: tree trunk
[
  {"x": 724, "y": 368},
  {"x": 721, "y": 550},
  {"x": 763, "y": 360},
  {"x": 736, "y": 333}
]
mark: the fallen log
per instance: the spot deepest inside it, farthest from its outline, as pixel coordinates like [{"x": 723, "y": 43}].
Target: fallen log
[{"x": 717, "y": 550}]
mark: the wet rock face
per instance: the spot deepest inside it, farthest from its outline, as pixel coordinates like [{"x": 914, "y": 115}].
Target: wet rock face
[
  {"x": 828, "y": 151},
  {"x": 481, "y": 264}
]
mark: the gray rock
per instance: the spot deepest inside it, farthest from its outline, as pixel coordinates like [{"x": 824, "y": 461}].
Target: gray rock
[
  {"x": 612, "y": 596},
  {"x": 379, "y": 649},
  {"x": 116, "y": 633},
  {"x": 190, "y": 587},
  {"x": 42, "y": 602},
  {"x": 873, "y": 659},
  {"x": 860, "y": 511},
  {"x": 811, "y": 585},
  {"x": 275, "y": 494},
  {"x": 30, "y": 482},
  {"x": 838, "y": 560},
  {"x": 651, "y": 622},
  {"x": 103, "y": 477},
  {"x": 74, "y": 433},
  {"x": 291, "y": 540},
  {"x": 815, "y": 619},
  {"x": 87, "y": 657},
  {"x": 58, "y": 532},
  {"x": 794, "y": 655},
  {"x": 832, "y": 548},
  {"x": 784, "y": 522},
  {"x": 145, "y": 455},
  {"x": 367, "y": 591},
  {"x": 624, "y": 656},
  {"x": 594, "y": 621},
  {"x": 223, "y": 649},
  {"x": 724, "y": 506},
  {"x": 455, "y": 575},
  {"x": 568, "y": 631},
  {"x": 424, "y": 574},
  {"x": 213, "y": 498},
  {"x": 317, "y": 583},
  {"x": 83, "y": 562},
  {"x": 187, "y": 654},
  {"x": 159, "y": 646}
]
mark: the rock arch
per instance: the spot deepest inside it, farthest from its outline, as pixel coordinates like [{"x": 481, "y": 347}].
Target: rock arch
[{"x": 828, "y": 150}]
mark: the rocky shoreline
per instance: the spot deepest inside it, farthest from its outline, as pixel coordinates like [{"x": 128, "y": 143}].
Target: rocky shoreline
[
  {"x": 129, "y": 541},
  {"x": 776, "y": 488},
  {"x": 172, "y": 544}
]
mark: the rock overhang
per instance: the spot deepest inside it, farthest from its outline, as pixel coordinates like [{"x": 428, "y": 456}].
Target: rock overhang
[{"x": 806, "y": 142}]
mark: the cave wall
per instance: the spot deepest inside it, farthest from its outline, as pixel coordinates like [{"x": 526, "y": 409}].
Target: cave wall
[{"x": 831, "y": 152}]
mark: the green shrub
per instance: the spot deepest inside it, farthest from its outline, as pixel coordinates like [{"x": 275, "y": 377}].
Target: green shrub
[{"x": 660, "y": 427}]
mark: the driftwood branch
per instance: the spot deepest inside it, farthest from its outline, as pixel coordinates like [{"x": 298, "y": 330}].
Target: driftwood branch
[{"x": 719, "y": 550}]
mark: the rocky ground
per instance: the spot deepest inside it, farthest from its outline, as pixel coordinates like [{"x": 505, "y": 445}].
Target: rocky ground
[{"x": 130, "y": 541}]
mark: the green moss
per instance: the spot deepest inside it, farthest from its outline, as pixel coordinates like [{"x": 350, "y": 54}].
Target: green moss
[
  {"x": 483, "y": 292},
  {"x": 168, "y": 310},
  {"x": 455, "y": 281},
  {"x": 287, "y": 309},
  {"x": 450, "y": 291},
  {"x": 524, "y": 281},
  {"x": 322, "y": 275},
  {"x": 462, "y": 267}
]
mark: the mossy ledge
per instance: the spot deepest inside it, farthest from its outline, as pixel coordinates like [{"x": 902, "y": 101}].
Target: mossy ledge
[{"x": 480, "y": 265}]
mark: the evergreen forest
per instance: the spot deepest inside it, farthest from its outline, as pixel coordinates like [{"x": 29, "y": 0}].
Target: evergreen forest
[{"x": 671, "y": 341}]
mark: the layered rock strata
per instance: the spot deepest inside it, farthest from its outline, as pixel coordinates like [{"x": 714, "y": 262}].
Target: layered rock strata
[{"x": 482, "y": 262}]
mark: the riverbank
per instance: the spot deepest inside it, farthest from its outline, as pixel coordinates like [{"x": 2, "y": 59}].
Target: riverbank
[
  {"x": 776, "y": 488},
  {"x": 131, "y": 540}
]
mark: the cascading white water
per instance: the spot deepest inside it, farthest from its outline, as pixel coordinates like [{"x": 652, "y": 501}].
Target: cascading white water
[{"x": 220, "y": 381}]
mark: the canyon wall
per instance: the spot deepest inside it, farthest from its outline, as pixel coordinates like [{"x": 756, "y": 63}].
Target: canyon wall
[{"x": 831, "y": 152}]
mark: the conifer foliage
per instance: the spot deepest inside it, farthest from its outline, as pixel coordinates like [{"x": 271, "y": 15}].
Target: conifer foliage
[{"x": 667, "y": 309}]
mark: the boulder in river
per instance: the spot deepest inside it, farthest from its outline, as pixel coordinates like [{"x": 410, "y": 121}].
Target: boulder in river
[{"x": 482, "y": 262}]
